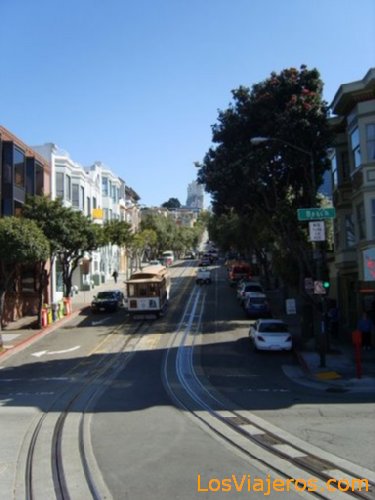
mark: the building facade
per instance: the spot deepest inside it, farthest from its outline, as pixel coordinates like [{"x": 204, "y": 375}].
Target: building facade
[
  {"x": 23, "y": 172},
  {"x": 98, "y": 193},
  {"x": 195, "y": 196},
  {"x": 353, "y": 177}
]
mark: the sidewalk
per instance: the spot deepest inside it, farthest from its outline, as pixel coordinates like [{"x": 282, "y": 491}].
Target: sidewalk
[
  {"x": 18, "y": 334},
  {"x": 340, "y": 371}
]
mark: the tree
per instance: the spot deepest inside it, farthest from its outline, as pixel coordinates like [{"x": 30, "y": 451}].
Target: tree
[
  {"x": 49, "y": 215},
  {"x": 164, "y": 228},
  {"x": 118, "y": 233},
  {"x": 271, "y": 181},
  {"x": 78, "y": 236},
  {"x": 172, "y": 203},
  {"x": 21, "y": 242}
]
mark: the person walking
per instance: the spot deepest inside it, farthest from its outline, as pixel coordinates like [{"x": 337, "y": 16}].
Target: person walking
[
  {"x": 366, "y": 327},
  {"x": 115, "y": 275}
]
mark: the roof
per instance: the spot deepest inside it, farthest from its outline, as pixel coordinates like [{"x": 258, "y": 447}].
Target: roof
[
  {"x": 6, "y": 135},
  {"x": 349, "y": 94}
]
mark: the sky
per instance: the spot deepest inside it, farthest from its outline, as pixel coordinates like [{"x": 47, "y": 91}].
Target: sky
[{"x": 137, "y": 84}]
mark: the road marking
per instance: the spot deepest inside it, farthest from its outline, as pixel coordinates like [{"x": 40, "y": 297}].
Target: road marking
[
  {"x": 63, "y": 351},
  {"x": 100, "y": 322}
]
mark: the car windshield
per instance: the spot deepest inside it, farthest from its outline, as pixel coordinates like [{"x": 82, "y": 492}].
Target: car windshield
[
  {"x": 106, "y": 295},
  {"x": 273, "y": 327}
]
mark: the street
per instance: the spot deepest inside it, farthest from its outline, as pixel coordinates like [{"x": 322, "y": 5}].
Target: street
[{"x": 106, "y": 407}]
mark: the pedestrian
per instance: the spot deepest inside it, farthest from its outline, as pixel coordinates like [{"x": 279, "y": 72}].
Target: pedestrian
[
  {"x": 366, "y": 327},
  {"x": 115, "y": 275}
]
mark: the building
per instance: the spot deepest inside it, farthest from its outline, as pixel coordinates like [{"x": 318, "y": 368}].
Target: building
[
  {"x": 195, "y": 196},
  {"x": 100, "y": 194},
  {"x": 353, "y": 175},
  {"x": 22, "y": 172}
]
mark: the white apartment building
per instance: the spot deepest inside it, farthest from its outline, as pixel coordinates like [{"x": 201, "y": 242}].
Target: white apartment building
[{"x": 99, "y": 194}]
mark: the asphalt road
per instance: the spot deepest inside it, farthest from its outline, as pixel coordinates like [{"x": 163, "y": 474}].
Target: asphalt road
[{"x": 148, "y": 444}]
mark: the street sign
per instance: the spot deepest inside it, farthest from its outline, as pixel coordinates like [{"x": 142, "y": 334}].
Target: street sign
[
  {"x": 319, "y": 288},
  {"x": 316, "y": 213},
  {"x": 317, "y": 230},
  {"x": 290, "y": 306}
]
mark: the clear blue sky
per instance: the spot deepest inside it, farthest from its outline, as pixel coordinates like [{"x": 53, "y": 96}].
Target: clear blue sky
[{"x": 138, "y": 84}]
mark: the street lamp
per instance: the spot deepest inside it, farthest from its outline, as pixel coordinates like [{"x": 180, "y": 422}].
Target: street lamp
[{"x": 261, "y": 140}]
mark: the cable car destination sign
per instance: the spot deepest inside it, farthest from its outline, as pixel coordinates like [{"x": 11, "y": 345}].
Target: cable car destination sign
[{"x": 305, "y": 214}]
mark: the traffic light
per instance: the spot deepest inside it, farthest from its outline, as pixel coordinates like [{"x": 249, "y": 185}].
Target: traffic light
[{"x": 326, "y": 284}]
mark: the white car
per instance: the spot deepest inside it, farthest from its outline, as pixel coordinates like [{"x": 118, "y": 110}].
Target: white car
[
  {"x": 270, "y": 335},
  {"x": 246, "y": 288}
]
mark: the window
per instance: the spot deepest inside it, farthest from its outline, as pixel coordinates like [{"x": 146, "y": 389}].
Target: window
[
  {"x": 82, "y": 198},
  {"x": 68, "y": 187},
  {"x": 345, "y": 166},
  {"x": 356, "y": 151},
  {"x": 39, "y": 180},
  {"x": 94, "y": 202},
  {"x": 334, "y": 171},
  {"x": 370, "y": 141},
  {"x": 105, "y": 186},
  {"x": 373, "y": 218},
  {"x": 59, "y": 185},
  {"x": 19, "y": 168},
  {"x": 75, "y": 195},
  {"x": 361, "y": 221},
  {"x": 349, "y": 231},
  {"x": 88, "y": 206}
]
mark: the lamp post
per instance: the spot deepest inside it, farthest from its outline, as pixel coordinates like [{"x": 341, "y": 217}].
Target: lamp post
[{"x": 261, "y": 140}]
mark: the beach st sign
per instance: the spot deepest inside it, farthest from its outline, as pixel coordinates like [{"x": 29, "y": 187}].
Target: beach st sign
[{"x": 306, "y": 214}]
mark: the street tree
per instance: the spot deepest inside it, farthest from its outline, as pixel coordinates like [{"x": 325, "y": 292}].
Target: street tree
[
  {"x": 49, "y": 215},
  {"x": 271, "y": 180},
  {"x": 79, "y": 236},
  {"x": 22, "y": 242},
  {"x": 172, "y": 203}
]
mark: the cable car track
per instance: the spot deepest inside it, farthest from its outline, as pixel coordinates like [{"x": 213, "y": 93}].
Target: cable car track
[
  {"x": 42, "y": 470},
  {"x": 242, "y": 429}
]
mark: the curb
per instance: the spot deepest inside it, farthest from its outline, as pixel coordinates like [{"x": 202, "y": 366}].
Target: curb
[{"x": 7, "y": 353}]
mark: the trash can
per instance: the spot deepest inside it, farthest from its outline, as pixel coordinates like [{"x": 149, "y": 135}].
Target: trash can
[
  {"x": 67, "y": 306},
  {"x": 60, "y": 311},
  {"x": 44, "y": 316},
  {"x": 54, "y": 308},
  {"x": 49, "y": 315}
]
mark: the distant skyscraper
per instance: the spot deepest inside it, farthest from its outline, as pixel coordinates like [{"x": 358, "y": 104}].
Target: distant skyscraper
[{"x": 195, "y": 195}]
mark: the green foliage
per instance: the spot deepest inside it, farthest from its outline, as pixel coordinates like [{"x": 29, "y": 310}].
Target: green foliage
[
  {"x": 118, "y": 233},
  {"x": 264, "y": 185},
  {"x": 21, "y": 241},
  {"x": 172, "y": 203}
]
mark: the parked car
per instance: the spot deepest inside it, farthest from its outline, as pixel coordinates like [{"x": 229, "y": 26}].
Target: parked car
[
  {"x": 203, "y": 276},
  {"x": 204, "y": 261},
  {"x": 238, "y": 271},
  {"x": 108, "y": 301},
  {"x": 247, "y": 287},
  {"x": 256, "y": 305},
  {"x": 270, "y": 335}
]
